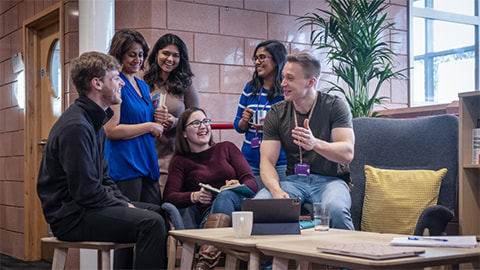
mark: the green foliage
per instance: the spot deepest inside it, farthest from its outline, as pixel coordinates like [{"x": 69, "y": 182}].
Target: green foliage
[{"x": 355, "y": 33}]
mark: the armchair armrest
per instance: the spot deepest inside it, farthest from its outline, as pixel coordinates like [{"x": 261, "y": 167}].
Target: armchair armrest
[
  {"x": 173, "y": 215},
  {"x": 435, "y": 218}
]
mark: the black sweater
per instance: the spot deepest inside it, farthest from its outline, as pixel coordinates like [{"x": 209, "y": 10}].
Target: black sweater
[{"x": 73, "y": 173}]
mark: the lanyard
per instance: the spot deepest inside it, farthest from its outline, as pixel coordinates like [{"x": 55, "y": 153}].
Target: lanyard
[
  {"x": 258, "y": 103},
  {"x": 309, "y": 117},
  {"x": 263, "y": 108}
]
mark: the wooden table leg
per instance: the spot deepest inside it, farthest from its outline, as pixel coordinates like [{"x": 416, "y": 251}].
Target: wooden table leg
[
  {"x": 280, "y": 264},
  {"x": 254, "y": 261},
  {"x": 188, "y": 252},
  {"x": 231, "y": 262}
]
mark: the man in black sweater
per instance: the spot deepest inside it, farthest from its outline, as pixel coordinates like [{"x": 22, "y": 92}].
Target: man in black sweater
[{"x": 79, "y": 200}]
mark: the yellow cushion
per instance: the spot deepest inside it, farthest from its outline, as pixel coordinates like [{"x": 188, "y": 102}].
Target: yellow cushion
[{"x": 394, "y": 199}]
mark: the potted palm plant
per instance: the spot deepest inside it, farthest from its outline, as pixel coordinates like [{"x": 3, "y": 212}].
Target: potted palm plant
[{"x": 355, "y": 33}]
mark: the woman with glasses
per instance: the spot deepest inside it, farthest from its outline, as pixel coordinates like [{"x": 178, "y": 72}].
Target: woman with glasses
[
  {"x": 260, "y": 93},
  {"x": 169, "y": 75},
  {"x": 197, "y": 159}
]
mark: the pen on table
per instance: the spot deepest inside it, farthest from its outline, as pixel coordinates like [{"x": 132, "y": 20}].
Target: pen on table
[{"x": 428, "y": 239}]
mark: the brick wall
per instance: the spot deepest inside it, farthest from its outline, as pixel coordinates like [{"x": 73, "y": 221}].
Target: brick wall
[{"x": 221, "y": 36}]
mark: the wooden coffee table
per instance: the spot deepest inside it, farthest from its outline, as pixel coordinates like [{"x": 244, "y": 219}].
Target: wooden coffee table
[{"x": 302, "y": 248}]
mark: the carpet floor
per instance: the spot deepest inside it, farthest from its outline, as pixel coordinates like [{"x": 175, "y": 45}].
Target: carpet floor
[{"x": 11, "y": 263}]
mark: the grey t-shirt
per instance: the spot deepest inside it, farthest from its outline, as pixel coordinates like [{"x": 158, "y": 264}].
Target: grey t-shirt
[{"x": 328, "y": 113}]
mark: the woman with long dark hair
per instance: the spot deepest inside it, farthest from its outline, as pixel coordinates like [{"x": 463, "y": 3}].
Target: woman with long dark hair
[
  {"x": 260, "y": 93},
  {"x": 170, "y": 75}
]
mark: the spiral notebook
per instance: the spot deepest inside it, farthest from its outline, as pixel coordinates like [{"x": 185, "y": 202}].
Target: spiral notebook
[{"x": 370, "y": 251}]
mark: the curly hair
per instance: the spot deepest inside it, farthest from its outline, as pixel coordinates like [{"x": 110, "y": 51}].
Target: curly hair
[
  {"x": 181, "y": 77},
  {"x": 279, "y": 56}
]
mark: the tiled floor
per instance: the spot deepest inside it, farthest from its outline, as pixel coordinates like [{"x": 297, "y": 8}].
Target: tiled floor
[{"x": 11, "y": 263}]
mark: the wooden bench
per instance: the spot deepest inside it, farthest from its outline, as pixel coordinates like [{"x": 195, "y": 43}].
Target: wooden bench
[{"x": 103, "y": 251}]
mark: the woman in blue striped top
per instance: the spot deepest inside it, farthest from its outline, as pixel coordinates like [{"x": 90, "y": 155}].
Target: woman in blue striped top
[{"x": 258, "y": 96}]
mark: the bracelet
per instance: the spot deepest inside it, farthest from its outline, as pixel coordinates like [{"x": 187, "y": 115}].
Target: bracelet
[{"x": 192, "y": 197}]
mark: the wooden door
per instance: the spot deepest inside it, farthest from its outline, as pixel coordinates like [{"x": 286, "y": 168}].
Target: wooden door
[{"x": 43, "y": 51}]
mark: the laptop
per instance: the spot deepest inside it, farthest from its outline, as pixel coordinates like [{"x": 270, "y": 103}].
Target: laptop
[{"x": 274, "y": 216}]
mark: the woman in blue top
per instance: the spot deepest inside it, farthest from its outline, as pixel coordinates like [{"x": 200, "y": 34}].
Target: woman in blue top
[
  {"x": 258, "y": 96},
  {"x": 130, "y": 148}
]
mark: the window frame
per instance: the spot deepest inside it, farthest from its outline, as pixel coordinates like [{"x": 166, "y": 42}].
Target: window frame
[{"x": 428, "y": 13}]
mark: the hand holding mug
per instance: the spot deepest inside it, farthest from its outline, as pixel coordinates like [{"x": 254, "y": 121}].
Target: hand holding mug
[{"x": 247, "y": 115}]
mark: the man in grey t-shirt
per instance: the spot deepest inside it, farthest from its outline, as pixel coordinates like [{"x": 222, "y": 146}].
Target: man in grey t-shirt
[{"x": 315, "y": 131}]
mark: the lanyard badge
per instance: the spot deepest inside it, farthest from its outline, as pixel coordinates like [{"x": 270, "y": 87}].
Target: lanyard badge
[
  {"x": 303, "y": 168},
  {"x": 255, "y": 141}
]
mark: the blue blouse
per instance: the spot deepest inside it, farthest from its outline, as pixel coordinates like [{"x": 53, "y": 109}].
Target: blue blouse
[
  {"x": 248, "y": 100},
  {"x": 135, "y": 157}
]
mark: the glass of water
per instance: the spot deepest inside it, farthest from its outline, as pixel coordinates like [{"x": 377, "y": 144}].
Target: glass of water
[{"x": 321, "y": 216}]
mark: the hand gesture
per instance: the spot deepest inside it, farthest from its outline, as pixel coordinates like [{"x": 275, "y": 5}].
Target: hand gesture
[{"x": 303, "y": 136}]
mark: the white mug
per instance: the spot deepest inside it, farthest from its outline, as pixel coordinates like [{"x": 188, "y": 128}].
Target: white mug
[
  {"x": 259, "y": 114},
  {"x": 242, "y": 222}
]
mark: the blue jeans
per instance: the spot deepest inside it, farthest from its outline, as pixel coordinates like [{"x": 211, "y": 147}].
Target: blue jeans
[
  {"x": 319, "y": 188},
  {"x": 281, "y": 170},
  {"x": 226, "y": 202}
]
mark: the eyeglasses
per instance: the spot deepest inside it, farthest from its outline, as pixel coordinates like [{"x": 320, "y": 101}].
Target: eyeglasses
[
  {"x": 260, "y": 57},
  {"x": 197, "y": 123}
]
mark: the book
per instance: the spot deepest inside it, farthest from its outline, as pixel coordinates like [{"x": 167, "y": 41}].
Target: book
[
  {"x": 369, "y": 250},
  {"x": 464, "y": 241},
  {"x": 158, "y": 100},
  {"x": 305, "y": 224},
  {"x": 476, "y": 146},
  {"x": 242, "y": 189}
]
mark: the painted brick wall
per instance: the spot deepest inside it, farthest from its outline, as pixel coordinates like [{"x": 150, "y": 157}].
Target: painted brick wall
[{"x": 220, "y": 35}]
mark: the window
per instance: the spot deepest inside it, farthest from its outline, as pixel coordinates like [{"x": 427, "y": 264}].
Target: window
[{"x": 444, "y": 47}]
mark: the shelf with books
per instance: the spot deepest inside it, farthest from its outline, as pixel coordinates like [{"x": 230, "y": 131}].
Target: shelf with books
[{"x": 469, "y": 173}]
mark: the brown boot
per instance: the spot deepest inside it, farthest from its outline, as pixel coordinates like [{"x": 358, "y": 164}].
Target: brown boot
[{"x": 208, "y": 254}]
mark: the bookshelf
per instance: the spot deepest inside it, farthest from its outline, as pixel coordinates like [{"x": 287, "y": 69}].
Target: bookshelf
[{"x": 469, "y": 174}]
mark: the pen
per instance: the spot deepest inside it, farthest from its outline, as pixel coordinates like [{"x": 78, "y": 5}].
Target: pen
[{"x": 428, "y": 239}]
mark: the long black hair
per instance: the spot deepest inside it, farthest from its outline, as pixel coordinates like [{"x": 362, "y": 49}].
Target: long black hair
[
  {"x": 279, "y": 56},
  {"x": 181, "y": 77}
]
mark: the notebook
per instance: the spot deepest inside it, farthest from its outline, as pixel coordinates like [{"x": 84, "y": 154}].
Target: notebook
[
  {"x": 274, "y": 216},
  {"x": 462, "y": 241},
  {"x": 370, "y": 251}
]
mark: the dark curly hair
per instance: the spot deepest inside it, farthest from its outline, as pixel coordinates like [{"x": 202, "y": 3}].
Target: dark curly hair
[
  {"x": 181, "y": 77},
  {"x": 279, "y": 56}
]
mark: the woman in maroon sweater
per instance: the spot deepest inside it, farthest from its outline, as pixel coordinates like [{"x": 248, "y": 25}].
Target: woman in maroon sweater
[{"x": 197, "y": 159}]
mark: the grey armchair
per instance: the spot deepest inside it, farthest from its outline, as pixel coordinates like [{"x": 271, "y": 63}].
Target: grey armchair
[{"x": 420, "y": 143}]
